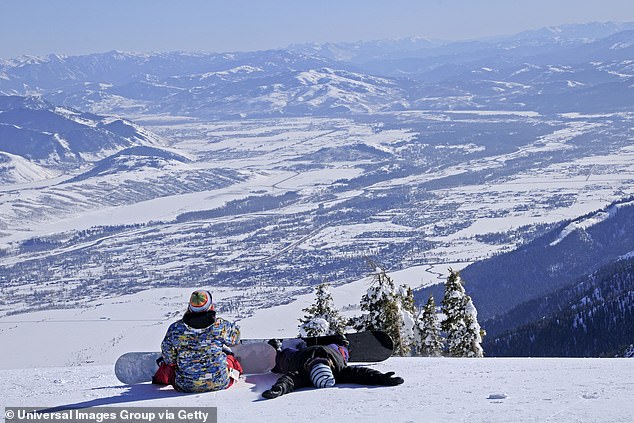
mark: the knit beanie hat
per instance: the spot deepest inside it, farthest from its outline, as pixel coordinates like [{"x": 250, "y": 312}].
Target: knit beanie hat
[
  {"x": 200, "y": 301},
  {"x": 321, "y": 376}
]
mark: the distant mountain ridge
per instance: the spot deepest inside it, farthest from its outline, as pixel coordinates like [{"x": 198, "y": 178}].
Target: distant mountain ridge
[
  {"x": 39, "y": 140},
  {"x": 568, "y": 252},
  {"x": 47, "y": 136},
  {"x": 363, "y": 52},
  {"x": 347, "y": 79}
]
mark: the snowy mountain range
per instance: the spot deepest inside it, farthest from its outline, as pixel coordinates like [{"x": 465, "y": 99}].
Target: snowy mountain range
[
  {"x": 38, "y": 139},
  {"x": 129, "y": 179},
  {"x": 572, "y": 68},
  {"x": 570, "y": 251},
  {"x": 387, "y": 51},
  {"x": 274, "y": 170}
]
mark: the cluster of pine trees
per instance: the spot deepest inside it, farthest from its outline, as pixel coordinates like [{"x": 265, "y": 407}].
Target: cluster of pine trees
[{"x": 454, "y": 332}]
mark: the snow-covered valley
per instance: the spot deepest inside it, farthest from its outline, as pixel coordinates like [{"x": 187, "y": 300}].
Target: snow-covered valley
[
  {"x": 285, "y": 203},
  {"x": 278, "y": 169}
]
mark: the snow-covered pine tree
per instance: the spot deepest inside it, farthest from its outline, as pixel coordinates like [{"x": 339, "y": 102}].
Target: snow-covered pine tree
[
  {"x": 408, "y": 323},
  {"x": 430, "y": 343},
  {"x": 474, "y": 333},
  {"x": 382, "y": 308},
  {"x": 407, "y": 299},
  {"x": 322, "y": 317},
  {"x": 461, "y": 320},
  {"x": 314, "y": 327}
]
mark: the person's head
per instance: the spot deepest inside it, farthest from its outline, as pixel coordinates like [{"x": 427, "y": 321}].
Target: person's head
[{"x": 200, "y": 302}]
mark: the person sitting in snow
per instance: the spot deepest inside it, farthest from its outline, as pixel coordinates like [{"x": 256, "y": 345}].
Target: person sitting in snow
[
  {"x": 194, "y": 348},
  {"x": 321, "y": 366}
]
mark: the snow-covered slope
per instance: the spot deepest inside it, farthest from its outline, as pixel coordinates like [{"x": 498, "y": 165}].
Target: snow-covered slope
[
  {"x": 61, "y": 137},
  {"x": 293, "y": 92},
  {"x": 572, "y": 250},
  {"x": 133, "y": 160},
  {"x": 435, "y": 391},
  {"x": 590, "y": 316},
  {"x": 584, "y": 223},
  {"x": 64, "y": 359},
  {"x": 17, "y": 170}
]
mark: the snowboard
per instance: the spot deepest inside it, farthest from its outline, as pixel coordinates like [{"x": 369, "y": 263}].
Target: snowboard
[
  {"x": 139, "y": 367},
  {"x": 256, "y": 356},
  {"x": 367, "y": 346}
]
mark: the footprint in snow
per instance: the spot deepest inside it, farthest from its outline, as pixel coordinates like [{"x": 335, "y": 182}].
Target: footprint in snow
[{"x": 593, "y": 395}]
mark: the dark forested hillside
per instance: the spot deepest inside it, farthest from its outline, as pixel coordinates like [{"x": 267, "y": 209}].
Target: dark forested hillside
[
  {"x": 593, "y": 317},
  {"x": 567, "y": 293},
  {"x": 567, "y": 253}
]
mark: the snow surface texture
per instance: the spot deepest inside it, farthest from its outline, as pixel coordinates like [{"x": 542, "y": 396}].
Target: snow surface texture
[{"x": 435, "y": 390}]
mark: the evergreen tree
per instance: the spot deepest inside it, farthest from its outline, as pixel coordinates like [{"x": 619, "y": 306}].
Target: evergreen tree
[
  {"x": 474, "y": 333},
  {"x": 408, "y": 323},
  {"x": 430, "y": 342},
  {"x": 382, "y": 308},
  {"x": 314, "y": 327},
  {"x": 407, "y": 299},
  {"x": 322, "y": 318},
  {"x": 461, "y": 321}
]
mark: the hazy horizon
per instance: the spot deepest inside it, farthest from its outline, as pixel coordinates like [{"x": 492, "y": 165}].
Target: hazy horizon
[{"x": 77, "y": 27}]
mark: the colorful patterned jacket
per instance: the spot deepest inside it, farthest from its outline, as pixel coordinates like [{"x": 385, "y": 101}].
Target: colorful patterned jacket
[{"x": 194, "y": 345}]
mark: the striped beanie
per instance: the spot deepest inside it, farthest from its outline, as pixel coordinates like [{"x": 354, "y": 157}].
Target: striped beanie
[
  {"x": 200, "y": 301},
  {"x": 321, "y": 376}
]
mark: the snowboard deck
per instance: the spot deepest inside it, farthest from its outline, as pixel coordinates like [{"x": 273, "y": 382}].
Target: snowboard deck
[
  {"x": 256, "y": 356},
  {"x": 367, "y": 346},
  {"x": 139, "y": 367}
]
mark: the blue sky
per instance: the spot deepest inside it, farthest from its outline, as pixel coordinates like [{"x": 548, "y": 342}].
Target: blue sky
[{"x": 39, "y": 27}]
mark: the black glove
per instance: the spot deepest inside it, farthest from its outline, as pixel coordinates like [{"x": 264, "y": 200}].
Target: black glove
[
  {"x": 274, "y": 392},
  {"x": 388, "y": 379}
]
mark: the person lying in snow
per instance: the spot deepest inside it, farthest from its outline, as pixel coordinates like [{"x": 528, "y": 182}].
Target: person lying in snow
[
  {"x": 193, "y": 348},
  {"x": 321, "y": 366}
]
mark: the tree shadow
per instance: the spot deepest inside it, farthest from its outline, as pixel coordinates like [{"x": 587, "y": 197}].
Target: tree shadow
[{"x": 139, "y": 392}]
